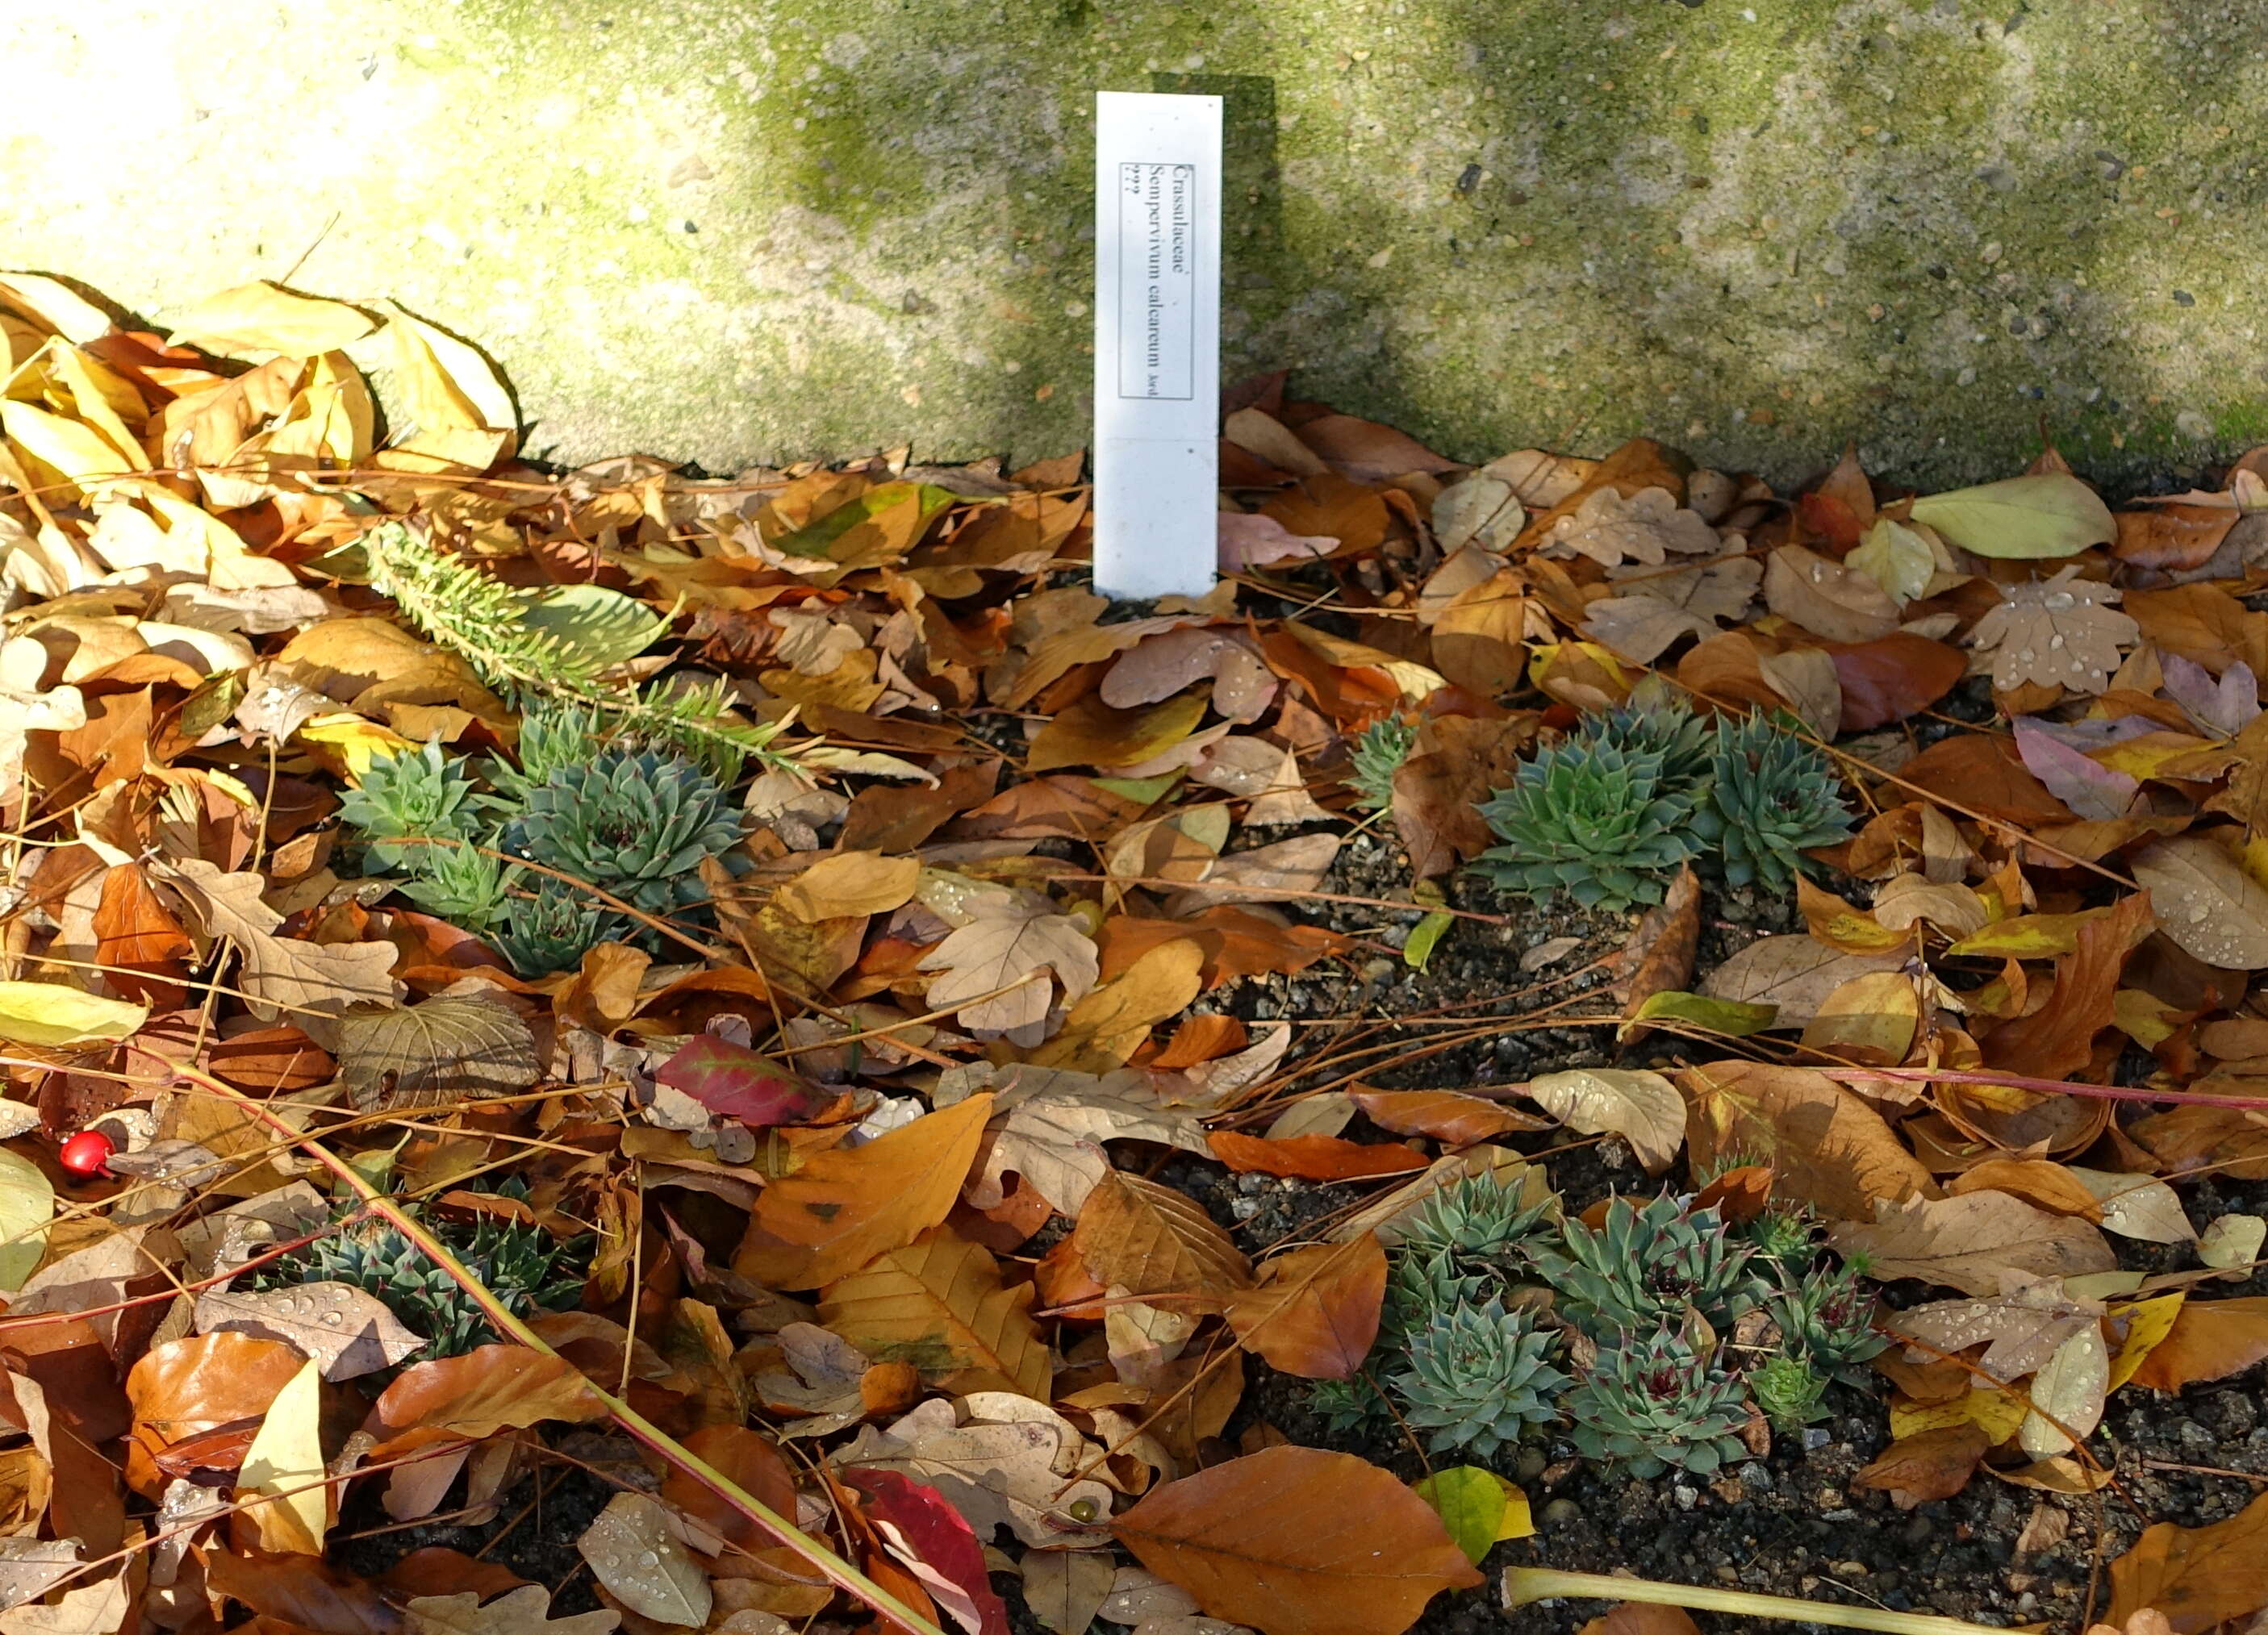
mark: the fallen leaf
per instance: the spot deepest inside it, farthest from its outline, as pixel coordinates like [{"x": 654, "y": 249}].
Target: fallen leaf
[
  {"x": 56, "y": 1015},
  {"x": 2206, "y": 903},
  {"x": 1312, "y": 1157},
  {"x": 1611, "y": 529},
  {"x": 2198, "y": 1577},
  {"x": 935, "y": 1542},
  {"x": 182, "y": 1389},
  {"x": 285, "y": 1467},
  {"x": 1793, "y": 973},
  {"x": 1296, "y": 1541},
  {"x": 1012, "y": 1473},
  {"x": 1643, "y": 1108},
  {"x": 448, "y": 1048},
  {"x": 2067, "y": 1394},
  {"x": 733, "y": 1082},
  {"x": 637, "y": 1555},
  {"x": 846, "y": 1205},
  {"x": 260, "y": 317},
  {"x": 2050, "y": 514},
  {"x": 2210, "y": 1339},
  {"x": 1826, "y": 598},
  {"x": 1447, "y": 1116},
  {"x": 1149, "y": 1239},
  {"x": 281, "y": 973},
  {"x": 996, "y": 969},
  {"x": 28, "y": 1205},
  {"x": 2020, "y": 1330},
  {"x": 348, "y": 1331},
  {"x": 1479, "y": 1509},
  {"x": 484, "y": 1390},
  {"x": 1248, "y": 541},
  {"x": 1056, "y": 1144},
  {"x": 1315, "y": 1312},
  {"x": 1982, "y": 1244},
  {"x": 1927, "y": 1465},
  {"x": 1641, "y": 1618},
  {"x": 843, "y": 884},
  {"x": 526, "y": 1611},
  {"x": 938, "y": 1303}
]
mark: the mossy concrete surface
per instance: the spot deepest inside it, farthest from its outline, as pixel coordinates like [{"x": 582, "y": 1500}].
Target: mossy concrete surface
[{"x": 743, "y": 230}]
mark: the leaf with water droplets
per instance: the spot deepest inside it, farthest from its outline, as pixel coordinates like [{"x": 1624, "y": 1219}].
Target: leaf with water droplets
[
  {"x": 348, "y": 1331},
  {"x": 634, "y": 1551},
  {"x": 2055, "y": 632},
  {"x": 2206, "y": 902}
]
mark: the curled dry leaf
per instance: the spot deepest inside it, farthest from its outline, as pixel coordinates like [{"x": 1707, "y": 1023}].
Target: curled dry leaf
[
  {"x": 281, "y": 974},
  {"x": 935, "y": 1542},
  {"x": 1826, "y": 1147},
  {"x": 1296, "y": 1541},
  {"x": 1643, "y": 1108},
  {"x": 635, "y": 1551}
]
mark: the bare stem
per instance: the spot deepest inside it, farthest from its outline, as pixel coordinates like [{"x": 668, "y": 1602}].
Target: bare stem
[{"x": 1524, "y": 1584}]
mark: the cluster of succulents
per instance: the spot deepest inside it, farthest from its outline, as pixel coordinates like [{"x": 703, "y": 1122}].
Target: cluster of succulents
[
  {"x": 524, "y": 1267},
  {"x": 633, "y": 820},
  {"x": 1503, "y": 1321},
  {"x": 1607, "y": 814}
]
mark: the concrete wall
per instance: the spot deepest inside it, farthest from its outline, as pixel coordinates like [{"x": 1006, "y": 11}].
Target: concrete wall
[{"x": 735, "y": 230}]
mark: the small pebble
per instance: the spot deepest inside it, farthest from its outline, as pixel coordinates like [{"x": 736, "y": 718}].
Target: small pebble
[
  {"x": 1814, "y": 1439},
  {"x": 1532, "y": 1463},
  {"x": 1560, "y": 1512}
]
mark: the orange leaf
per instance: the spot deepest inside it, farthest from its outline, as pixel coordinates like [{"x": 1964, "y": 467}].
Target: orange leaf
[
  {"x": 845, "y": 1206},
  {"x": 2210, "y": 1340},
  {"x": 1642, "y": 1617},
  {"x": 1315, "y": 1311},
  {"x": 1446, "y": 1116},
  {"x": 1741, "y": 1194},
  {"x": 1296, "y": 1541},
  {"x": 750, "y": 1459},
  {"x": 1149, "y": 1239},
  {"x": 1312, "y": 1157},
  {"x": 1891, "y": 676},
  {"x": 488, "y": 1389},
  {"x": 2198, "y": 1577},
  {"x": 188, "y": 1387}
]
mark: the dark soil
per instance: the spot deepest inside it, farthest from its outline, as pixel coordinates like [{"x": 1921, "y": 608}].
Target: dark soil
[{"x": 1789, "y": 1524}]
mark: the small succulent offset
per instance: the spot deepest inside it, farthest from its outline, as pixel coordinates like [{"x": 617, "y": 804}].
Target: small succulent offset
[
  {"x": 415, "y": 795},
  {"x": 527, "y": 1270},
  {"x": 1826, "y": 1321},
  {"x": 1789, "y": 1393},
  {"x": 1477, "y": 1377},
  {"x": 551, "y": 927},
  {"x": 1593, "y": 817},
  {"x": 1648, "y": 1266},
  {"x": 1476, "y": 1218},
  {"x": 632, "y": 822},
  {"x": 1377, "y": 755},
  {"x": 1651, "y": 1402},
  {"x": 1773, "y": 796}
]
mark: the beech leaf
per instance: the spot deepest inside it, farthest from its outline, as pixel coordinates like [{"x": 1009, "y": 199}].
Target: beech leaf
[
  {"x": 1297, "y": 1541},
  {"x": 1643, "y": 1108},
  {"x": 635, "y": 1552}
]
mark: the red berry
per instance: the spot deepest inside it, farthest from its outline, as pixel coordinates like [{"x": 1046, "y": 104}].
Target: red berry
[{"x": 87, "y": 1154}]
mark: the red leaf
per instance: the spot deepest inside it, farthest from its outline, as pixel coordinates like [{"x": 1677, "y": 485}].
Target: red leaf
[
  {"x": 936, "y": 1541},
  {"x": 1312, "y": 1157},
  {"x": 740, "y": 1083},
  {"x": 1891, "y": 678}
]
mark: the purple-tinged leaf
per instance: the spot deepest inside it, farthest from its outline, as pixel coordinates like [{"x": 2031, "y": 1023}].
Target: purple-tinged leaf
[
  {"x": 737, "y": 1082},
  {"x": 2087, "y": 786},
  {"x": 2221, "y": 708}
]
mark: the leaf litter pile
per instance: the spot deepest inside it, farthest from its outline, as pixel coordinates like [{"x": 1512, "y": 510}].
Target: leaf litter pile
[{"x": 629, "y": 1050}]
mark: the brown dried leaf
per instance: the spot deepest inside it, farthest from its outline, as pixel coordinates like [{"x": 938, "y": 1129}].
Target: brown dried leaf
[
  {"x": 2061, "y": 631},
  {"x": 281, "y": 973},
  {"x": 1149, "y": 1239},
  {"x": 349, "y": 1331},
  {"x": 1314, "y": 1311},
  {"x": 2197, "y": 1577},
  {"x": 488, "y": 1389},
  {"x": 846, "y": 884},
  {"x": 635, "y": 1553},
  {"x": 1643, "y": 1108},
  {"x": 1610, "y": 529},
  {"x": 451, "y": 1046},
  {"x": 1016, "y": 951},
  {"x": 1827, "y": 598},
  {"x": 939, "y": 1304},
  {"x": 1826, "y": 1147},
  {"x": 1982, "y": 1244}
]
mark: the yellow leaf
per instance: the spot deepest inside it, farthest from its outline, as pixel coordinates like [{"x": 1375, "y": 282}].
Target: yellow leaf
[
  {"x": 287, "y": 1452},
  {"x": 443, "y": 384},
  {"x": 939, "y": 1305},
  {"x": 351, "y": 741},
  {"x": 331, "y": 419},
  {"x": 258, "y": 317},
  {"x": 76, "y": 453},
  {"x": 27, "y": 1204},
  {"x": 1999, "y": 1415},
  {"x": 850, "y": 883},
  {"x": 54, "y": 306},
  {"x": 1109, "y": 1024},
  {"x": 2149, "y": 1322},
  {"x": 49, "y": 1014}
]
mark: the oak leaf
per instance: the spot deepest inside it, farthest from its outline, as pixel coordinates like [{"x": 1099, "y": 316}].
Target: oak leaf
[
  {"x": 1015, "y": 952},
  {"x": 280, "y": 973},
  {"x": 1611, "y": 529},
  {"x": 1297, "y": 1541},
  {"x": 1055, "y": 1143}
]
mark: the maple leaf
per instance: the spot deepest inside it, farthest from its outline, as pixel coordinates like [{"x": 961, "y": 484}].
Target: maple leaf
[
  {"x": 1055, "y": 1143},
  {"x": 2060, "y": 632},
  {"x": 2020, "y": 1329},
  {"x": 1610, "y": 529},
  {"x": 1010, "y": 951},
  {"x": 523, "y": 1612}
]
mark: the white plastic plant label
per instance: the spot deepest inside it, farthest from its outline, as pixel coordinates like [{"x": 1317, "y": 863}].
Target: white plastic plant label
[{"x": 1157, "y": 343}]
